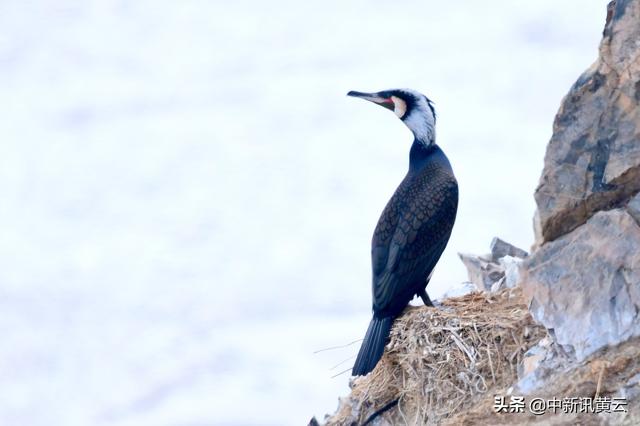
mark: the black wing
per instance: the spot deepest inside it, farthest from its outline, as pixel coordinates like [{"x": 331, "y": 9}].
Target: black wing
[{"x": 411, "y": 235}]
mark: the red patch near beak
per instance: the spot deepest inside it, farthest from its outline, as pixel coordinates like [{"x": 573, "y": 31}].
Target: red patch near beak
[{"x": 387, "y": 103}]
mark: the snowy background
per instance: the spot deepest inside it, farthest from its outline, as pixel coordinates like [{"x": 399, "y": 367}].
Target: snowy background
[{"x": 187, "y": 196}]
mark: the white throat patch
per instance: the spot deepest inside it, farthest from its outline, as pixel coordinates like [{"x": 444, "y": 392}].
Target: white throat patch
[{"x": 421, "y": 123}]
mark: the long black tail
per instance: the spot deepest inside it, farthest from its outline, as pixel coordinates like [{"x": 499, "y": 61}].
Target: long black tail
[{"x": 372, "y": 345}]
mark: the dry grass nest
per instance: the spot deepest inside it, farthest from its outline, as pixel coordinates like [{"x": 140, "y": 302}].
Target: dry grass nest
[{"x": 441, "y": 360}]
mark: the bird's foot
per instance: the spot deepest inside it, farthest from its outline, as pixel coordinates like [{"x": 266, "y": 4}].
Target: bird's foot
[{"x": 425, "y": 298}]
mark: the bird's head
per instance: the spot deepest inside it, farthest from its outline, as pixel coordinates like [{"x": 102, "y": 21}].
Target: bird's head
[{"x": 413, "y": 108}]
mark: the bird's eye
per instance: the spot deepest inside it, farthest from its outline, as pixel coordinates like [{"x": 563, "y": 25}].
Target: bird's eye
[{"x": 400, "y": 106}]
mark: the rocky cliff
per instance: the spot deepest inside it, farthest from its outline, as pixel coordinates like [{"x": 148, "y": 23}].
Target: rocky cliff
[
  {"x": 560, "y": 324},
  {"x": 583, "y": 280}
]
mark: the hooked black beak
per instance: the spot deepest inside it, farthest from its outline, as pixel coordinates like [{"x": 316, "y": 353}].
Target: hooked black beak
[{"x": 376, "y": 98}]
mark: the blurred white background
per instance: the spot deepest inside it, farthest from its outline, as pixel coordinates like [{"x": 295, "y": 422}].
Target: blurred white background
[{"x": 187, "y": 196}]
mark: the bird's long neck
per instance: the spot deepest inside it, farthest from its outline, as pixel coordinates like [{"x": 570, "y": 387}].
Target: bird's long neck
[{"x": 419, "y": 154}]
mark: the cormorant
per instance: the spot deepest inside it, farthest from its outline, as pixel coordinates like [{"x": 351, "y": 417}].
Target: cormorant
[{"x": 414, "y": 227}]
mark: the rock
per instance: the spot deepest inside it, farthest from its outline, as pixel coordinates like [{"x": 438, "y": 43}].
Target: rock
[
  {"x": 492, "y": 272},
  {"x": 459, "y": 290},
  {"x": 593, "y": 161},
  {"x": 530, "y": 366},
  {"x": 633, "y": 207},
  {"x": 482, "y": 271},
  {"x": 500, "y": 249},
  {"x": 585, "y": 286},
  {"x": 632, "y": 387},
  {"x": 540, "y": 365},
  {"x": 497, "y": 285},
  {"x": 511, "y": 267}
]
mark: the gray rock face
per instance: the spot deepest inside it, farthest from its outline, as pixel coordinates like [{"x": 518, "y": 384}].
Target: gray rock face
[
  {"x": 482, "y": 271},
  {"x": 459, "y": 290},
  {"x": 499, "y": 269},
  {"x": 582, "y": 280},
  {"x": 539, "y": 365},
  {"x": 634, "y": 207},
  {"x": 511, "y": 267},
  {"x": 593, "y": 159},
  {"x": 586, "y": 285},
  {"x": 500, "y": 249}
]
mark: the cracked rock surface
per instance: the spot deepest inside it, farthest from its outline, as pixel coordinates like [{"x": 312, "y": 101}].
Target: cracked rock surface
[
  {"x": 495, "y": 270},
  {"x": 586, "y": 285},
  {"x": 593, "y": 159},
  {"x": 582, "y": 279}
]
